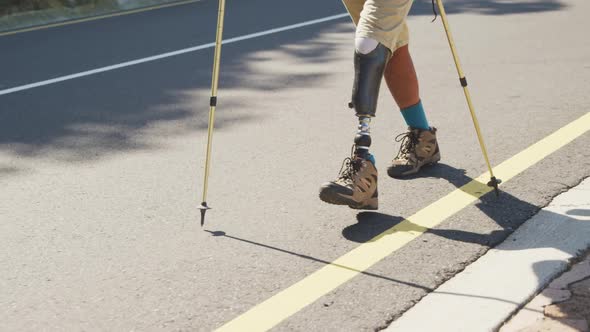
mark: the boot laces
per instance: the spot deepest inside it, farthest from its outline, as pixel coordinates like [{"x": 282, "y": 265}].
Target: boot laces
[
  {"x": 408, "y": 141},
  {"x": 348, "y": 169}
]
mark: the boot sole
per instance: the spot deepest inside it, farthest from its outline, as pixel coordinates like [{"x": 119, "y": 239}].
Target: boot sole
[
  {"x": 370, "y": 204},
  {"x": 414, "y": 171},
  {"x": 335, "y": 199}
]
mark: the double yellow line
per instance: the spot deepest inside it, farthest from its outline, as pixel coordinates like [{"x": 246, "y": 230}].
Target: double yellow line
[
  {"x": 289, "y": 301},
  {"x": 98, "y": 17}
]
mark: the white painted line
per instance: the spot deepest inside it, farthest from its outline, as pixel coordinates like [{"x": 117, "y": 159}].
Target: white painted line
[
  {"x": 488, "y": 291},
  {"x": 168, "y": 54},
  {"x": 97, "y": 17}
]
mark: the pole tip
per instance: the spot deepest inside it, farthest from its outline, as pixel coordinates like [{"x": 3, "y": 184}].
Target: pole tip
[
  {"x": 203, "y": 209},
  {"x": 494, "y": 184}
]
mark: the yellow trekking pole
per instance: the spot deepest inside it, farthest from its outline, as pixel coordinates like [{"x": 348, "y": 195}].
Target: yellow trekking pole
[
  {"x": 493, "y": 181},
  {"x": 212, "y": 104}
]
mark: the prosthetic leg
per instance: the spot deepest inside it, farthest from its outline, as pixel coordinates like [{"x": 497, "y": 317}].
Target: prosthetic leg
[
  {"x": 368, "y": 74},
  {"x": 356, "y": 185}
]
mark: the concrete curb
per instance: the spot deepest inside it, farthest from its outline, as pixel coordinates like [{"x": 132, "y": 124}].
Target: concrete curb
[
  {"x": 498, "y": 284},
  {"x": 552, "y": 309}
]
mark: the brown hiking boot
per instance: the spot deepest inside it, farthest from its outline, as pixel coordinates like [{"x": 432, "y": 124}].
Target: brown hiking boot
[
  {"x": 356, "y": 186},
  {"x": 418, "y": 148}
]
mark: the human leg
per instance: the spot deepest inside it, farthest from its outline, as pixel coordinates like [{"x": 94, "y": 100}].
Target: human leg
[
  {"x": 379, "y": 28},
  {"x": 419, "y": 145},
  {"x": 402, "y": 81}
]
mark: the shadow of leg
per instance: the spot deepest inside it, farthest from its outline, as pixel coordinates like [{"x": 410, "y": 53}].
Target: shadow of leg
[{"x": 369, "y": 225}]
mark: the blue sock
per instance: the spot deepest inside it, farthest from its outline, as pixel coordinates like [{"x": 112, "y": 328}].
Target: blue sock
[{"x": 415, "y": 116}]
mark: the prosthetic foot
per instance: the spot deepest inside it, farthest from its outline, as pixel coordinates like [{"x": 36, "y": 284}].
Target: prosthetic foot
[{"x": 356, "y": 185}]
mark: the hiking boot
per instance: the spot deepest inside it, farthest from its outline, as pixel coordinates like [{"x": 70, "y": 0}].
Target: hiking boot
[
  {"x": 418, "y": 148},
  {"x": 356, "y": 185}
]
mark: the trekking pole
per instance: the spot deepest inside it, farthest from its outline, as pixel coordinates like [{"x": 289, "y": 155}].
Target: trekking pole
[
  {"x": 493, "y": 181},
  {"x": 212, "y": 104}
]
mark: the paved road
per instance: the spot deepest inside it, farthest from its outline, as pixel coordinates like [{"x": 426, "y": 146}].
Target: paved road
[{"x": 101, "y": 175}]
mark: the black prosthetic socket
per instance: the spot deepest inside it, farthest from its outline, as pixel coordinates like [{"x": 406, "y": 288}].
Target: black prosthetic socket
[
  {"x": 362, "y": 140},
  {"x": 368, "y": 73}
]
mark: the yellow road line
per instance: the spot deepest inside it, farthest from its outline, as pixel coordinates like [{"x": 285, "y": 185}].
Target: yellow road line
[
  {"x": 98, "y": 17},
  {"x": 269, "y": 313}
]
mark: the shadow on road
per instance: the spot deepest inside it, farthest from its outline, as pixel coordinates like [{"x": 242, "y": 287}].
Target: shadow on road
[
  {"x": 579, "y": 212},
  {"x": 539, "y": 266},
  {"x": 130, "y": 108},
  {"x": 292, "y": 253},
  {"x": 507, "y": 211},
  {"x": 489, "y": 7},
  {"x": 93, "y": 116}
]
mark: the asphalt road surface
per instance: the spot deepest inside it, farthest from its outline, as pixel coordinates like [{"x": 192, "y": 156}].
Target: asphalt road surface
[{"x": 101, "y": 175}]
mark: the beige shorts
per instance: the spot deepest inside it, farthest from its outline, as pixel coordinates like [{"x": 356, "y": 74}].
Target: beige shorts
[{"x": 382, "y": 20}]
